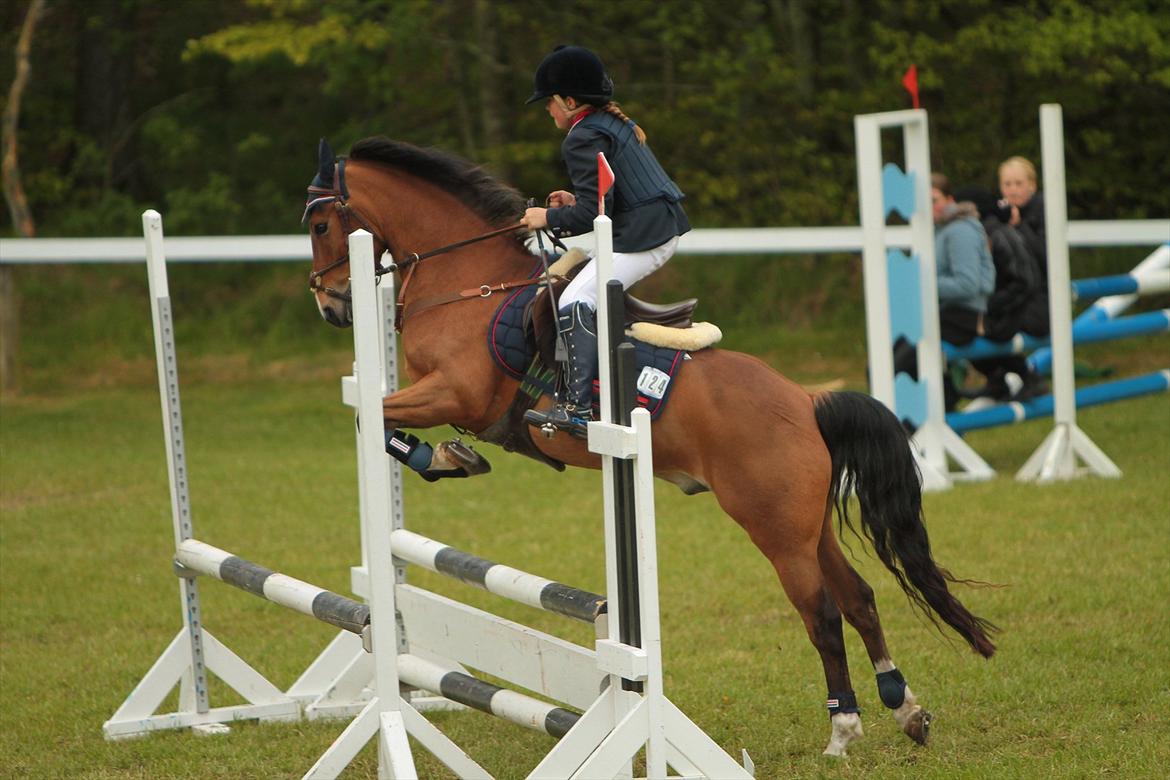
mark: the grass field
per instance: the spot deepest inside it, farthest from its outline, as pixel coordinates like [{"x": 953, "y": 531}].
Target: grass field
[{"x": 1080, "y": 686}]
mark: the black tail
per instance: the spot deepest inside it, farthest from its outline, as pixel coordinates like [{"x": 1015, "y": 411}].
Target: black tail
[{"x": 871, "y": 457}]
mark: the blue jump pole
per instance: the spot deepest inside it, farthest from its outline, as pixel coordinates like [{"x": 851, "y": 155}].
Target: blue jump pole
[
  {"x": 1099, "y": 287},
  {"x": 1093, "y": 319},
  {"x": 1106, "y": 392},
  {"x": 1083, "y": 332}
]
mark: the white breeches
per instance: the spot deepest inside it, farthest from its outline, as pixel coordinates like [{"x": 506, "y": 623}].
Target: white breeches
[{"x": 628, "y": 267}]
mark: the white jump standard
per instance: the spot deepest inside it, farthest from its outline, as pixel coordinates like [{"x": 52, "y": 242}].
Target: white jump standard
[{"x": 408, "y": 638}]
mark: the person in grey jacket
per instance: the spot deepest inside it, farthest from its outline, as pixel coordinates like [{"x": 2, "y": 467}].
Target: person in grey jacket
[
  {"x": 644, "y": 204},
  {"x": 962, "y": 255},
  {"x": 965, "y": 274}
]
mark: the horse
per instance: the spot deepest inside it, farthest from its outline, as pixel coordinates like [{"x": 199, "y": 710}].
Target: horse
[{"x": 450, "y": 228}]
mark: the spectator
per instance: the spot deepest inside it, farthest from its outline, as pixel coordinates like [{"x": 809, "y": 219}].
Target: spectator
[
  {"x": 1015, "y": 228},
  {"x": 966, "y": 278},
  {"x": 1023, "y": 205}
]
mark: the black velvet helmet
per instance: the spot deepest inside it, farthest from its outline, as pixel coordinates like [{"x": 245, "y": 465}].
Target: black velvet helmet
[{"x": 572, "y": 71}]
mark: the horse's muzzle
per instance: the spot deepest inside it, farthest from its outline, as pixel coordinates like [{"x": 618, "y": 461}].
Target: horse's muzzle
[{"x": 336, "y": 312}]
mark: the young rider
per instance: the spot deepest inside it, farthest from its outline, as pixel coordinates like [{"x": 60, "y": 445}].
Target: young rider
[{"x": 644, "y": 204}]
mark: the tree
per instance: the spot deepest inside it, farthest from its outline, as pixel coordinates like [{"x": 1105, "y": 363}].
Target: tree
[{"x": 14, "y": 195}]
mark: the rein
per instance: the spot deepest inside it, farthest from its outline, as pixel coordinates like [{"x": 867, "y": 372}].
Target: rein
[{"x": 338, "y": 196}]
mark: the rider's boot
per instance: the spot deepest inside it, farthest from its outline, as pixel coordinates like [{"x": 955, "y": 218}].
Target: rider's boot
[{"x": 574, "y": 413}]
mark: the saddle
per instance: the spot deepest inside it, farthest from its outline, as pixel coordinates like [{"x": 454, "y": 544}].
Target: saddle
[
  {"x": 521, "y": 339},
  {"x": 651, "y": 322}
]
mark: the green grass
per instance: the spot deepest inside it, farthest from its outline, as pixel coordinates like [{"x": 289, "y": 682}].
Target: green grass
[{"x": 1079, "y": 688}]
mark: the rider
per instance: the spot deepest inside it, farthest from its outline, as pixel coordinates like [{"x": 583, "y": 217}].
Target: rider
[{"x": 645, "y": 206}]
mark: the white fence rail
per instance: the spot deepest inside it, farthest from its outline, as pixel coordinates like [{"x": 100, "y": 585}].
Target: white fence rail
[{"x": 730, "y": 241}]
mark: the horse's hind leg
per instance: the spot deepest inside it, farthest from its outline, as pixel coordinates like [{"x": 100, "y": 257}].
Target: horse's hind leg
[
  {"x": 793, "y": 554},
  {"x": 854, "y": 597},
  {"x": 801, "y": 578}
]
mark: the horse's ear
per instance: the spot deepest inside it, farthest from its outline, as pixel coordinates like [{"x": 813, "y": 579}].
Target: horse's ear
[{"x": 324, "y": 161}]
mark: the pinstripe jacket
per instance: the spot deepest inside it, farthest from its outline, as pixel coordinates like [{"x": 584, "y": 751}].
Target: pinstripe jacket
[{"x": 644, "y": 204}]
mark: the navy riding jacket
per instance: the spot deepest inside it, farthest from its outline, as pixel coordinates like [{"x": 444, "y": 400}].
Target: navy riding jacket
[{"x": 644, "y": 203}]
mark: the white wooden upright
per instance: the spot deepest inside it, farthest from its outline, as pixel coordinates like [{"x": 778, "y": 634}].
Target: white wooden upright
[
  {"x": 194, "y": 652},
  {"x": 1056, "y": 457},
  {"x": 621, "y": 723},
  {"x": 934, "y": 444},
  {"x": 382, "y": 717}
]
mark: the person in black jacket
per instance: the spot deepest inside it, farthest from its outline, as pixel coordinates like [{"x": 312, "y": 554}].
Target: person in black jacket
[
  {"x": 644, "y": 204},
  {"x": 1023, "y": 205},
  {"x": 1020, "y": 300}
]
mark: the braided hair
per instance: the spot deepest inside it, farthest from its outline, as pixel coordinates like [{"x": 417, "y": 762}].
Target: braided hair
[{"x": 613, "y": 108}]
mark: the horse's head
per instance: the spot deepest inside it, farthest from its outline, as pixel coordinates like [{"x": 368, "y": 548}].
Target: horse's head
[
  {"x": 330, "y": 219},
  {"x": 434, "y": 199}
]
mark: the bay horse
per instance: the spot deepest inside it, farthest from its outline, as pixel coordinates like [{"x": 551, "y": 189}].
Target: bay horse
[{"x": 809, "y": 451}]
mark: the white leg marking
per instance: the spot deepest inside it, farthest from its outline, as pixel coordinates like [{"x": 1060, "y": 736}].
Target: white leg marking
[
  {"x": 909, "y": 707},
  {"x": 846, "y": 729},
  {"x": 441, "y": 460}
]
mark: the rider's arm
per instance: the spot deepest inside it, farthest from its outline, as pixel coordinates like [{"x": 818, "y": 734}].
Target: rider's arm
[{"x": 580, "y": 150}]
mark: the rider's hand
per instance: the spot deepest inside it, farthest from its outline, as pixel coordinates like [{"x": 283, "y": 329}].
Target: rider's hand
[
  {"x": 561, "y": 198},
  {"x": 534, "y": 219}
]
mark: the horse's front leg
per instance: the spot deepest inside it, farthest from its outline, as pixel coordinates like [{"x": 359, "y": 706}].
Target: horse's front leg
[{"x": 427, "y": 403}]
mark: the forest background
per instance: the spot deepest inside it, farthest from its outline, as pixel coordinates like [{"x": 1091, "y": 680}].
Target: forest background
[{"x": 210, "y": 110}]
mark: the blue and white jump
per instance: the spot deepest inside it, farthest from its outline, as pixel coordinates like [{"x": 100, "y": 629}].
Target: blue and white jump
[
  {"x": 1097, "y": 323},
  {"x": 942, "y": 455}
]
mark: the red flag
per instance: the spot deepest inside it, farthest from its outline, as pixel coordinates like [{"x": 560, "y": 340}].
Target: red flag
[
  {"x": 910, "y": 82},
  {"x": 604, "y": 181}
]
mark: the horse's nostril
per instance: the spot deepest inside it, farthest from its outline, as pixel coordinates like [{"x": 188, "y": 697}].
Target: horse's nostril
[{"x": 330, "y": 316}]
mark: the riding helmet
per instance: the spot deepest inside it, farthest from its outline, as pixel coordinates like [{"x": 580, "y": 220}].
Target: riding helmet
[{"x": 572, "y": 71}]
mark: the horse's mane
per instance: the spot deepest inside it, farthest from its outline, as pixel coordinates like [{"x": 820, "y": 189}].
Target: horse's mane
[{"x": 496, "y": 202}]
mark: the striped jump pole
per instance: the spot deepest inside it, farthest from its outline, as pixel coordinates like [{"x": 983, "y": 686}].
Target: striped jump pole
[
  {"x": 1103, "y": 393},
  {"x": 497, "y": 578},
  {"x": 195, "y": 557},
  {"x": 483, "y": 696}
]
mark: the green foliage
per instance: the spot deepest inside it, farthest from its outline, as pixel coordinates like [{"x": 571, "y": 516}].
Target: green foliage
[{"x": 750, "y": 104}]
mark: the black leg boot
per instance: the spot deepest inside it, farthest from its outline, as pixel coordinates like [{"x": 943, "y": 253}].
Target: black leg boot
[{"x": 579, "y": 326}]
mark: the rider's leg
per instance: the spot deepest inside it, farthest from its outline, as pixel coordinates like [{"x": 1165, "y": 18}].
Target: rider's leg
[
  {"x": 628, "y": 268},
  {"x": 579, "y": 327},
  {"x": 577, "y": 323}
]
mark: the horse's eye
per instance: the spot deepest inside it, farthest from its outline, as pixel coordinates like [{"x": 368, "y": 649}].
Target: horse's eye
[{"x": 321, "y": 228}]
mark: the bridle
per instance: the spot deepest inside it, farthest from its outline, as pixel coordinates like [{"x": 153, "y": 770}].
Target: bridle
[{"x": 338, "y": 195}]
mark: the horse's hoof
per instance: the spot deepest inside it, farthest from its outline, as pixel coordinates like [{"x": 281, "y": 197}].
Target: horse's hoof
[
  {"x": 461, "y": 457},
  {"x": 918, "y": 726},
  {"x": 846, "y": 729}
]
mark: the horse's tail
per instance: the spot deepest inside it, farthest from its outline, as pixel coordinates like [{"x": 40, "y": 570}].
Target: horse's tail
[{"x": 872, "y": 459}]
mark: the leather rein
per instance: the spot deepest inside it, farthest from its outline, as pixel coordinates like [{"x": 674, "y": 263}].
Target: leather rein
[{"x": 338, "y": 196}]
